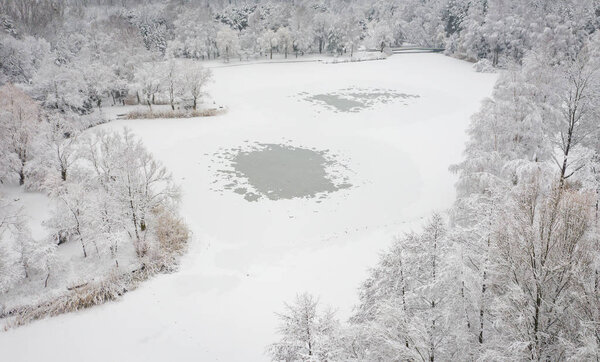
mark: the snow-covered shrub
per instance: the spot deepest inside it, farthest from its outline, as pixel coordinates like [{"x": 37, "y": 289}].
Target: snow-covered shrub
[
  {"x": 172, "y": 236},
  {"x": 171, "y": 232},
  {"x": 77, "y": 298},
  {"x": 484, "y": 66},
  {"x": 211, "y": 112}
]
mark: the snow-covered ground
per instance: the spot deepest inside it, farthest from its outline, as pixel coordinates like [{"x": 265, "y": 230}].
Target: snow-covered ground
[{"x": 248, "y": 257}]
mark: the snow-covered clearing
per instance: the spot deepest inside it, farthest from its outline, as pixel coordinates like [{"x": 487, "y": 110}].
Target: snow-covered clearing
[{"x": 247, "y": 257}]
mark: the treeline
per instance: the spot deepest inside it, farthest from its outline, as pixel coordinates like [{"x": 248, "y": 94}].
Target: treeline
[
  {"x": 81, "y": 53},
  {"x": 513, "y": 271}
]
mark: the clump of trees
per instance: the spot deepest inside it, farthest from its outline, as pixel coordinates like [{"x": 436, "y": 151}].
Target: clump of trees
[
  {"x": 173, "y": 81},
  {"x": 78, "y": 56},
  {"x": 512, "y": 271},
  {"x": 111, "y": 197}
]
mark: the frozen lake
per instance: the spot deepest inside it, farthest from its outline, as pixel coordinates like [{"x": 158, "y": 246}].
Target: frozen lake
[{"x": 298, "y": 187}]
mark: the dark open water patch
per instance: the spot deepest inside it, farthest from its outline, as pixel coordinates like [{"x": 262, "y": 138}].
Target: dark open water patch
[
  {"x": 279, "y": 172},
  {"x": 356, "y": 99}
]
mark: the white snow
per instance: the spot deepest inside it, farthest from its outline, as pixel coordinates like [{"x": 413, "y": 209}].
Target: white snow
[{"x": 247, "y": 258}]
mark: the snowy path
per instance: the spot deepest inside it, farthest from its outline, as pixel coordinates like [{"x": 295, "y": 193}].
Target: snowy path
[{"x": 249, "y": 257}]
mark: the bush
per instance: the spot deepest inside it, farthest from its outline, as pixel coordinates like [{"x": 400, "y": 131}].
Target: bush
[
  {"x": 146, "y": 114},
  {"x": 172, "y": 234},
  {"x": 77, "y": 298}
]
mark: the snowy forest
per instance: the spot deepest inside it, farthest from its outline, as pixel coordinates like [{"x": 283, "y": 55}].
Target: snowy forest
[{"x": 508, "y": 270}]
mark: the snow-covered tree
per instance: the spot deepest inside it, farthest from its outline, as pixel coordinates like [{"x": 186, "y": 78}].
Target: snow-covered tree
[
  {"x": 228, "y": 43},
  {"x": 20, "y": 255},
  {"x": 195, "y": 80},
  {"x": 15, "y": 245},
  {"x": 63, "y": 88},
  {"x": 268, "y": 42},
  {"x": 130, "y": 176},
  {"x": 284, "y": 41},
  {"x": 21, "y": 58},
  {"x": 307, "y": 333},
  {"x": 405, "y": 302},
  {"x": 19, "y": 120},
  {"x": 148, "y": 82},
  {"x": 381, "y": 36},
  {"x": 543, "y": 249},
  {"x": 56, "y": 151},
  {"x": 74, "y": 217},
  {"x": 173, "y": 81}
]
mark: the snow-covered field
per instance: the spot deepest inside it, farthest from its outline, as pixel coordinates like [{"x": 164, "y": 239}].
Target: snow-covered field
[{"x": 247, "y": 257}]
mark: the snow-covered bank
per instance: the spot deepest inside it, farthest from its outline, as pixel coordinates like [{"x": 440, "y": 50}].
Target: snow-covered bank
[{"x": 248, "y": 257}]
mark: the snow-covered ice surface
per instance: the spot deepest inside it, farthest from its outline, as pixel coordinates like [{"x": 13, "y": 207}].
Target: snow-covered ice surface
[
  {"x": 280, "y": 171},
  {"x": 247, "y": 257},
  {"x": 355, "y": 100}
]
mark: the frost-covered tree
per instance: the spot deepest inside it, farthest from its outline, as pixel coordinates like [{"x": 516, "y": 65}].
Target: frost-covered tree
[
  {"x": 195, "y": 33},
  {"x": 268, "y": 42},
  {"x": 405, "y": 302},
  {"x": 195, "y": 80},
  {"x": 543, "y": 249},
  {"x": 381, "y": 36},
  {"x": 228, "y": 43},
  {"x": 284, "y": 41},
  {"x": 173, "y": 81},
  {"x": 19, "y": 121},
  {"x": 20, "y": 255},
  {"x": 307, "y": 333},
  {"x": 14, "y": 245},
  {"x": 321, "y": 23},
  {"x": 74, "y": 217},
  {"x": 133, "y": 179},
  {"x": 148, "y": 82},
  {"x": 578, "y": 124},
  {"x": 62, "y": 88},
  {"x": 21, "y": 58},
  {"x": 56, "y": 149}
]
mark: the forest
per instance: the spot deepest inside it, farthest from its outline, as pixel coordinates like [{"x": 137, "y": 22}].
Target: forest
[{"x": 510, "y": 271}]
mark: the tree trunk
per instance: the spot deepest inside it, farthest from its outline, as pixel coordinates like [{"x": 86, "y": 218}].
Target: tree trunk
[
  {"x": 82, "y": 243},
  {"x": 481, "y": 309},
  {"x": 172, "y": 97}
]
